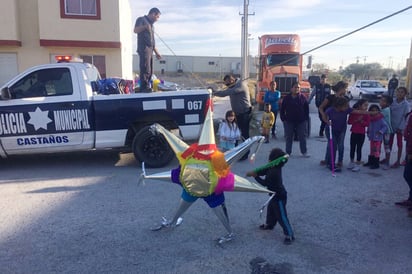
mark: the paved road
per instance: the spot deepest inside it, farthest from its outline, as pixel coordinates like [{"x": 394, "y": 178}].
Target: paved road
[{"x": 85, "y": 213}]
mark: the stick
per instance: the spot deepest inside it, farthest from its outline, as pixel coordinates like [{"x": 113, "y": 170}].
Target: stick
[{"x": 332, "y": 160}]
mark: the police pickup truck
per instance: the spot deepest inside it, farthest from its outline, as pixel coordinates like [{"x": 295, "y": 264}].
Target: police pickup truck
[{"x": 57, "y": 108}]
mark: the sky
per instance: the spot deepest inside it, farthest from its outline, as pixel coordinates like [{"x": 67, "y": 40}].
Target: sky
[{"x": 213, "y": 28}]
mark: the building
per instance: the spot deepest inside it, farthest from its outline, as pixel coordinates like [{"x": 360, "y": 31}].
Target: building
[
  {"x": 216, "y": 65},
  {"x": 35, "y": 31}
]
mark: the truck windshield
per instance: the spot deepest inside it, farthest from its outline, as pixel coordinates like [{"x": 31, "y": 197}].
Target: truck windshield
[{"x": 283, "y": 60}]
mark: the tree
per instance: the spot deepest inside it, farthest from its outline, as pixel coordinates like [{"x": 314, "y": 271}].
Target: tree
[{"x": 355, "y": 69}]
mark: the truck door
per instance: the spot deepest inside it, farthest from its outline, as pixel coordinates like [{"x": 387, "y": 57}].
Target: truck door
[{"x": 44, "y": 113}]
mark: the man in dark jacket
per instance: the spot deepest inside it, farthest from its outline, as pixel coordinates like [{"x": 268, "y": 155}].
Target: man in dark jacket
[
  {"x": 320, "y": 91},
  {"x": 392, "y": 85},
  {"x": 294, "y": 112}
]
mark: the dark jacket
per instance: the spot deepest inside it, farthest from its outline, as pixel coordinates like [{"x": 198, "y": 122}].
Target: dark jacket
[
  {"x": 273, "y": 180},
  {"x": 321, "y": 92},
  {"x": 294, "y": 109}
]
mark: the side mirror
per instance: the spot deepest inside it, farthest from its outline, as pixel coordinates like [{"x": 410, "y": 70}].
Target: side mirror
[{"x": 5, "y": 94}]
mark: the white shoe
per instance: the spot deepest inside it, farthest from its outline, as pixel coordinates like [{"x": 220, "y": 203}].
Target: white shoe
[
  {"x": 356, "y": 168},
  {"x": 305, "y": 155},
  {"x": 351, "y": 165}
]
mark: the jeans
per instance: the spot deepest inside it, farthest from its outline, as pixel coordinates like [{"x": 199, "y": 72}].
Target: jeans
[
  {"x": 146, "y": 68},
  {"x": 300, "y": 131},
  {"x": 338, "y": 138}
]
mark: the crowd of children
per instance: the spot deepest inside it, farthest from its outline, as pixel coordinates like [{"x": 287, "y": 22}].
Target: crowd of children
[{"x": 380, "y": 123}]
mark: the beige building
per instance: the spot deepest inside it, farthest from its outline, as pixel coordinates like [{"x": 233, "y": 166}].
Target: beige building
[
  {"x": 217, "y": 65},
  {"x": 36, "y": 31}
]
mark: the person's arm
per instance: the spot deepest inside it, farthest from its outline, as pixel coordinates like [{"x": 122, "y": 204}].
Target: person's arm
[
  {"x": 325, "y": 117},
  {"x": 282, "y": 109},
  {"x": 272, "y": 119},
  {"x": 322, "y": 108},
  {"x": 139, "y": 29},
  {"x": 405, "y": 111},
  {"x": 305, "y": 107},
  {"x": 158, "y": 56},
  {"x": 256, "y": 176},
  {"x": 266, "y": 98},
  {"x": 140, "y": 25},
  {"x": 351, "y": 118},
  {"x": 229, "y": 91}
]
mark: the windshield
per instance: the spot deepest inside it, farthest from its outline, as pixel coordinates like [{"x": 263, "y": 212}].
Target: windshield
[
  {"x": 371, "y": 85},
  {"x": 283, "y": 59}
]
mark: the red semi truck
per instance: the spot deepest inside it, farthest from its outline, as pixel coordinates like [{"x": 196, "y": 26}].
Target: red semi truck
[{"x": 279, "y": 61}]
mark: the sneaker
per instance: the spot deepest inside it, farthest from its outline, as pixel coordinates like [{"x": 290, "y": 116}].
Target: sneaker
[
  {"x": 356, "y": 168},
  {"x": 305, "y": 155},
  {"x": 385, "y": 166},
  {"x": 339, "y": 165},
  {"x": 323, "y": 163},
  {"x": 288, "y": 240},
  {"x": 351, "y": 165},
  {"x": 360, "y": 162},
  {"x": 406, "y": 203},
  {"x": 403, "y": 163},
  {"x": 267, "y": 141}
]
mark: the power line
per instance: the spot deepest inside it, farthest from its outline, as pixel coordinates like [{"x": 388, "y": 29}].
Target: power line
[{"x": 352, "y": 32}]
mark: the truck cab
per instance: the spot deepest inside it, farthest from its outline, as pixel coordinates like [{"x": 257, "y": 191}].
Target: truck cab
[
  {"x": 279, "y": 61},
  {"x": 58, "y": 108}
]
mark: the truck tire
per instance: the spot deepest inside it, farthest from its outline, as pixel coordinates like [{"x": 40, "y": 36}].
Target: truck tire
[{"x": 151, "y": 149}]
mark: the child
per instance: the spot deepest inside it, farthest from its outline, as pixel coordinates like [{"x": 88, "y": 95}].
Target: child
[
  {"x": 399, "y": 108},
  {"x": 359, "y": 122},
  {"x": 268, "y": 119},
  {"x": 377, "y": 128},
  {"x": 229, "y": 132},
  {"x": 384, "y": 103},
  {"x": 336, "y": 117},
  {"x": 276, "y": 211}
]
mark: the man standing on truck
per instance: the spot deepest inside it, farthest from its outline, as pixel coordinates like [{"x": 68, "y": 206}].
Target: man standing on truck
[
  {"x": 320, "y": 91},
  {"x": 146, "y": 46},
  {"x": 238, "y": 92}
]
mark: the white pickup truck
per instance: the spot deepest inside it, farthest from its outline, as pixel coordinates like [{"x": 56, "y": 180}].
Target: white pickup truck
[{"x": 56, "y": 108}]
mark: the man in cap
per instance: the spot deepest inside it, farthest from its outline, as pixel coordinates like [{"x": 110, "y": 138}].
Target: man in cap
[
  {"x": 146, "y": 46},
  {"x": 320, "y": 91},
  {"x": 392, "y": 85}
]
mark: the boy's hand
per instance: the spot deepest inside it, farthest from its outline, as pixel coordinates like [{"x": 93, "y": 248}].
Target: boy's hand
[{"x": 251, "y": 174}]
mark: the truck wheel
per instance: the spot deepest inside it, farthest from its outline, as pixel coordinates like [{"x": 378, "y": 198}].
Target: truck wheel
[{"x": 151, "y": 149}]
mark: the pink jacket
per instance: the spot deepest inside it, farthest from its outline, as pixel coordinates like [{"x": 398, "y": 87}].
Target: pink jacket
[{"x": 359, "y": 122}]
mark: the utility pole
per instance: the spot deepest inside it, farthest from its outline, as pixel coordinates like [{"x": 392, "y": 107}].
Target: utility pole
[{"x": 245, "y": 41}]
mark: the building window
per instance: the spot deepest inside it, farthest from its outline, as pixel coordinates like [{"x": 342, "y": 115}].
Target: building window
[
  {"x": 80, "y": 9},
  {"x": 211, "y": 63},
  {"x": 99, "y": 61}
]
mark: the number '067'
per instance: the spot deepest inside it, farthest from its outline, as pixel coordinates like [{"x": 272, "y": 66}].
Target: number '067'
[{"x": 194, "y": 105}]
